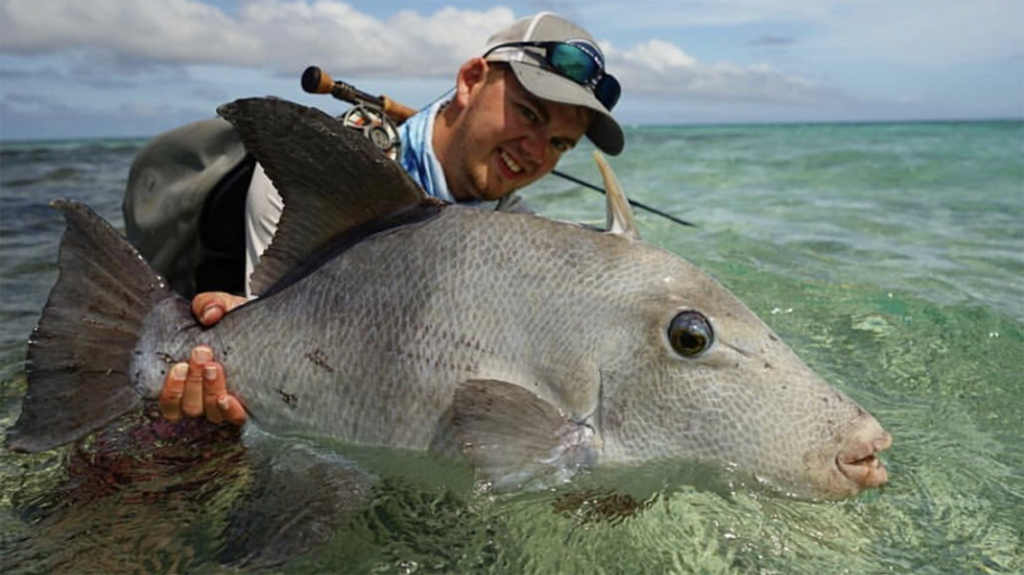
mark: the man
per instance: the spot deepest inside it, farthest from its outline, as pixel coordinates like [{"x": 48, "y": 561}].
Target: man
[{"x": 536, "y": 90}]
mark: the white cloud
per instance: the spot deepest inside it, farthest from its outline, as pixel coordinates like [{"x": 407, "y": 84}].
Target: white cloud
[
  {"x": 656, "y": 55},
  {"x": 931, "y": 33},
  {"x": 662, "y": 15},
  {"x": 169, "y": 32},
  {"x": 111, "y": 51},
  {"x": 935, "y": 31},
  {"x": 288, "y": 36},
  {"x": 657, "y": 67},
  {"x": 283, "y": 36}
]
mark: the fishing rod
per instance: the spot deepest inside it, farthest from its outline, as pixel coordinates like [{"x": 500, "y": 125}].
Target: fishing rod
[
  {"x": 316, "y": 81},
  {"x": 632, "y": 202}
]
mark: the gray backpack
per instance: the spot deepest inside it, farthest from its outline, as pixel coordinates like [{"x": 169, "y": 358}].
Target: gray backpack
[{"x": 184, "y": 206}]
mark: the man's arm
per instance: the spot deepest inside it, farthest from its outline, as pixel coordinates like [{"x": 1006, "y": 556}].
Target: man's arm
[{"x": 199, "y": 387}]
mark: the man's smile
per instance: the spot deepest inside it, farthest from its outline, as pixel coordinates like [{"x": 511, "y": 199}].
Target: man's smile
[{"x": 511, "y": 166}]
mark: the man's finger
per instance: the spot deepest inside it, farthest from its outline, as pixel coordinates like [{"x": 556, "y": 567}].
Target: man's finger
[
  {"x": 231, "y": 409},
  {"x": 210, "y": 307},
  {"x": 192, "y": 400},
  {"x": 219, "y": 404},
  {"x": 171, "y": 394},
  {"x": 214, "y": 386}
]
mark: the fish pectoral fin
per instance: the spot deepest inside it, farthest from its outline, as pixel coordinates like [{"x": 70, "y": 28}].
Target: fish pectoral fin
[{"x": 513, "y": 436}]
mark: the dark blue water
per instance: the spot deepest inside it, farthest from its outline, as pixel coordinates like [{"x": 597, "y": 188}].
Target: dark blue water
[{"x": 890, "y": 256}]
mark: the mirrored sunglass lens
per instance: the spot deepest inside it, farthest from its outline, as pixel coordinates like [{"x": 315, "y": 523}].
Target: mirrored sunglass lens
[
  {"x": 573, "y": 63},
  {"x": 608, "y": 91}
]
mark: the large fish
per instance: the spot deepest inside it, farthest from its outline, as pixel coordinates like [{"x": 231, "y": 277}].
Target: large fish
[{"x": 531, "y": 346}]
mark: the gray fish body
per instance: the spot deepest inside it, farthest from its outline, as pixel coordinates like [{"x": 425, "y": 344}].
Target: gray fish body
[
  {"x": 371, "y": 347},
  {"x": 527, "y": 344}
]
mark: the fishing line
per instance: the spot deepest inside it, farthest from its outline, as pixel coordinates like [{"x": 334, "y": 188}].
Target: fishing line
[{"x": 632, "y": 202}]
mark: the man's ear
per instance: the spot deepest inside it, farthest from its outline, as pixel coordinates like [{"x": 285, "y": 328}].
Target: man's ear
[{"x": 469, "y": 80}]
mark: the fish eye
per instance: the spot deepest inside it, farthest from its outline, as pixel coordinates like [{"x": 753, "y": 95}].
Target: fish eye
[{"x": 690, "y": 333}]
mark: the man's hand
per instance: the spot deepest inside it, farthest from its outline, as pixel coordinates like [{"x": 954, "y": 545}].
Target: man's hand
[
  {"x": 211, "y": 306},
  {"x": 199, "y": 387}
]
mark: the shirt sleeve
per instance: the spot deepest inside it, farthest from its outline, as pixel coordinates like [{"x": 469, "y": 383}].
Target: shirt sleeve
[{"x": 263, "y": 208}]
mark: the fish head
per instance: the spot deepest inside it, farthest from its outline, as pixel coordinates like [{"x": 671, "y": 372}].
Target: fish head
[
  {"x": 693, "y": 374},
  {"x": 703, "y": 378}
]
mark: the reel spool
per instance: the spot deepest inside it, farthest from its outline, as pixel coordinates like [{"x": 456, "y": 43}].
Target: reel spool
[{"x": 376, "y": 126}]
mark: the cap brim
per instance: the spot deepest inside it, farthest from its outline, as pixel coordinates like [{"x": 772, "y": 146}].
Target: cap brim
[{"x": 604, "y": 131}]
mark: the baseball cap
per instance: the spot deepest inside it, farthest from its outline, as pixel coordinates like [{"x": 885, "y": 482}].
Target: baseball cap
[{"x": 526, "y": 46}]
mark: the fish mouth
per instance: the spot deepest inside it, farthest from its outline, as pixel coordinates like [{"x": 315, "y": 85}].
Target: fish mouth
[{"x": 859, "y": 462}]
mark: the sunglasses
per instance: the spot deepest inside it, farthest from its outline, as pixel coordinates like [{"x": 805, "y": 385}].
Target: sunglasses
[{"x": 579, "y": 61}]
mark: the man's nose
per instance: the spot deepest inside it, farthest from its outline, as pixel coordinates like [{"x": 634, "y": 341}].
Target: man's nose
[{"x": 535, "y": 145}]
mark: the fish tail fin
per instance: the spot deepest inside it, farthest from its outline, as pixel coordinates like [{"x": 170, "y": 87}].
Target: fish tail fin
[{"x": 80, "y": 352}]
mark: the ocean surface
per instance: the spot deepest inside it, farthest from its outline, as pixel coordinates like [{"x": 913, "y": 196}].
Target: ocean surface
[{"x": 889, "y": 256}]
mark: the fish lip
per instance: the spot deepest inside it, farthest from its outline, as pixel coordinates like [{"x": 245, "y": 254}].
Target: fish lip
[{"x": 861, "y": 466}]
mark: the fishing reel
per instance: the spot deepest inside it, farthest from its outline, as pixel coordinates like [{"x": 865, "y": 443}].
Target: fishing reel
[{"x": 376, "y": 126}]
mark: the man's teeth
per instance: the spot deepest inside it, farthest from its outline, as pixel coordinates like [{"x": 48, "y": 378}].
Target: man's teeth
[{"x": 510, "y": 163}]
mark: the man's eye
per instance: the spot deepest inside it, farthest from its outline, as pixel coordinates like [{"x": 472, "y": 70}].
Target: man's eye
[
  {"x": 529, "y": 114},
  {"x": 560, "y": 145}
]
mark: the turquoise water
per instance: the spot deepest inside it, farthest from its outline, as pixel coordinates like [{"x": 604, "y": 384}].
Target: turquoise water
[{"x": 889, "y": 256}]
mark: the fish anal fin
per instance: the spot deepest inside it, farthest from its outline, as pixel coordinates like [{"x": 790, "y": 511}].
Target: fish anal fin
[{"x": 514, "y": 437}]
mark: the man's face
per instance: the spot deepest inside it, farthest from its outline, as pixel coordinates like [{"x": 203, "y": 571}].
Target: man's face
[{"x": 507, "y": 138}]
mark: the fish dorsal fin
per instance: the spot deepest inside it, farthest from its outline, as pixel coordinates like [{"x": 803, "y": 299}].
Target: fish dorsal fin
[
  {"x": 620, "y": 216},
  {"x": 331, "y": 179}
]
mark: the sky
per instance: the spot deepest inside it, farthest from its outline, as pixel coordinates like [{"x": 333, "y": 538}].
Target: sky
[{"x": 125, "y": 68}]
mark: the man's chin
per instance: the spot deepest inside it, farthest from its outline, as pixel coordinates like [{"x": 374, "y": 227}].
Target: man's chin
[{"x": 494, "y": 193}]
